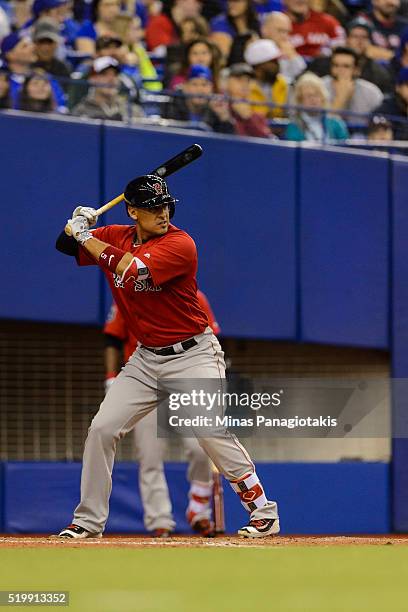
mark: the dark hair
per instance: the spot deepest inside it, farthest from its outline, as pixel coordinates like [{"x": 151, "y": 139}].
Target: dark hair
[
  {"x": 345, "y": 51},
  {"x": 28, "y": 104},
  {"x": 200, "y": 25},
  {"x": 216, "y": 57},
  {"x": 251, "y": 18},
  {"x": 94, "y": 10},
  {"x": 378, "y": 122}
]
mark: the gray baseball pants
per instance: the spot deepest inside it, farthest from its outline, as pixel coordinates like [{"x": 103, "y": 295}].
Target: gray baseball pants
[
  {"x": 152, "y": 482},
  {"x": 131, "y": 397}
]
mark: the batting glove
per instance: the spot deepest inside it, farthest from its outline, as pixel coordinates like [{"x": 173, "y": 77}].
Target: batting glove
[
  {"x": 86, "y": 211},
  {"x": 79, "y": 229}
]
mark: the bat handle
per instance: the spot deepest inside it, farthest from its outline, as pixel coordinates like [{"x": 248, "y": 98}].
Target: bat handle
[{"x": 101, "y": 210}]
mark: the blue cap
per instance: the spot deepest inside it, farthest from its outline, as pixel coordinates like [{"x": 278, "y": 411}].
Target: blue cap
[
  {"x": 199, "y": 72},
  {"x": 45, "y": 5},
  {"x": 9, "y": 42},
  {"x": 402, "y": 76}
]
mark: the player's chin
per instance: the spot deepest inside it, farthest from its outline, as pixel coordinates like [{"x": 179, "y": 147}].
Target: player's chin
[{"x": 161, "y": 229}]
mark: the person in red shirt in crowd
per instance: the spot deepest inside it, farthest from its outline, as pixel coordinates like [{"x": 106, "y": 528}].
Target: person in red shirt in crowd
[
  {"x": 120, "y": 344},
  {"x": 163, "y": 30},
  {"x": 313, "y": 33},
  {"x": 151, "y": 267}
]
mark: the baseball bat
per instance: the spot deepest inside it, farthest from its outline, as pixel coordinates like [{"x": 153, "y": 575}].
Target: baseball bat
[{"x": 172, "y": 165}]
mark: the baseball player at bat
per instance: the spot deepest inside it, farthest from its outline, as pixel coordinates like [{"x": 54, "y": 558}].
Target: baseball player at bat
[
  {"x": 158, "y": 517},
  {"x": 151, "y": 268}
]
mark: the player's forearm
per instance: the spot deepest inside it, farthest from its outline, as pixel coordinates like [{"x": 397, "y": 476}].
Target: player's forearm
[{"x": 105, "y": 254}]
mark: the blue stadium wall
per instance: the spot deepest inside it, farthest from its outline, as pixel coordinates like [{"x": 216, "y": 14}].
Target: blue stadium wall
[{"x": 329, "y": 264}]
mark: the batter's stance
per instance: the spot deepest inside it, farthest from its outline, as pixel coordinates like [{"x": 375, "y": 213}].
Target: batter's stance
[{"x": 151, "y": 268}]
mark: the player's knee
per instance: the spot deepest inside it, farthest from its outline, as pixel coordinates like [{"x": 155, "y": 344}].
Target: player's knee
[{"x": 102, "y": 430}]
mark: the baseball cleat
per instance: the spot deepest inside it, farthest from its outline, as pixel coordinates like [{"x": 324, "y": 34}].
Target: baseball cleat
[
  {"x": 204, "y": 528},
  {"x": 77, "y": 533},
  {"x": 260, "y": 528},
  {"x": 161, "y": 532}
]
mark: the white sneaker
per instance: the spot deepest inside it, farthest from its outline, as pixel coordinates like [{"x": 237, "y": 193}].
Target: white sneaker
[
  {"x": 260, "y": 528},
  {"x": 76, "y": 532}
]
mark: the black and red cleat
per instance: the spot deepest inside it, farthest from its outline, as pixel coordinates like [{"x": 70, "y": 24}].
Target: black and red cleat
[
  {"x": 161, "y": 533},
  {"x": 205, "y": 528}
]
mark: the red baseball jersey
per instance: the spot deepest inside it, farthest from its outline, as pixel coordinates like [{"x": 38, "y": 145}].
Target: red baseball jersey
[
  {"x": 115, "y": 325},
  {"x": 163, "y": 308},
  {"x": 317, "y": 34}
]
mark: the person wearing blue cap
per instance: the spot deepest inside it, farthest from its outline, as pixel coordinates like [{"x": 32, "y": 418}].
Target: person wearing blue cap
[
  {"x": 18, "y": 53},
  {"x": 395, "y": 107},
  {"x": 194, "y": 104}
]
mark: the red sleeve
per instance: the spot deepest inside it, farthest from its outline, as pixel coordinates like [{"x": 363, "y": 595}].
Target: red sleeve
[
  {"x": 205, "y": 305},
  {"x": 159, "y": 31},
  {"x": 115, "y": 324},
  {"x": 174, "y": 255}
]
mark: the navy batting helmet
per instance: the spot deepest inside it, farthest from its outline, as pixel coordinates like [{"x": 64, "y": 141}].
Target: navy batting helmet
[{"x": 149, "y": 191}]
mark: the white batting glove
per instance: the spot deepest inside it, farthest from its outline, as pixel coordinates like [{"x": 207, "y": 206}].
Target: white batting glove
[
  {"x": 79, "y": 229},
  {"x": 86, "y": 211}
]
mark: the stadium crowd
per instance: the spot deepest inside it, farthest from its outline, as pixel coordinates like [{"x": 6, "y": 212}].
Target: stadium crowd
[{"x": 293, "y": 69}]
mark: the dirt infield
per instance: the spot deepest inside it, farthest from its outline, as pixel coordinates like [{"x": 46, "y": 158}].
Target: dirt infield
[{"x": 41, "y": 541}]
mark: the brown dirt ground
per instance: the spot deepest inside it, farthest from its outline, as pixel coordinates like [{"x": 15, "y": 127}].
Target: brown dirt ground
[{"x": 41, "y": 541}]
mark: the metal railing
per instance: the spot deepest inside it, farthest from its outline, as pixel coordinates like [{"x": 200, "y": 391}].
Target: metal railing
[{"x": 151, "y": 106}]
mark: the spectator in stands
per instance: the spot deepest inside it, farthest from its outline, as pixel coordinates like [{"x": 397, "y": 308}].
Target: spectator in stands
[
  {"x": 18, "y": 52},
  {"x": 240, "y": 19},
  {"x": 237, "y": 86},
  {"x": 200, "y": 52},
  {"x": 50, "y": 9},
  {"x": 359, "y": 39},
  {"x": 277, "y": 27},
  {"x": 137, "y": 63},
  {"x": 59, "y": 12},
  {"x": 163, "y": 29},
  {"x": 310, "y": 124},
  {"x": 396, "y": 107},
  {"x": 46, "y": 38},
  {"x": 347, "y": 92},
  {"x": 380, "y": 128},
  {"x": 192, "y": 28},
  {"x": 103, "y": 100},
  {"x": 104, "y": 14},
  {"x": 192, "y": 103},
  {"x": 387, "y": 28},
  {"x": 400, "y": 59},
  {"x": 5, "y": 96},
  {"x": 36, "y": 95},
  {"x": 269, "y": 87},
  {"x": 313, "y": 33}
]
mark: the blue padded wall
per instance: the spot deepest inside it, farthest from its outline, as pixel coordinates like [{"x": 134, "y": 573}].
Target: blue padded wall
[
  {"x": 344, "y": 265},
  {"x": 400, "y": 343},
  {"x": 47, "y": 168},
  {"x": 313, "y": 497},
  {"x": 237, "y": 190}
]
